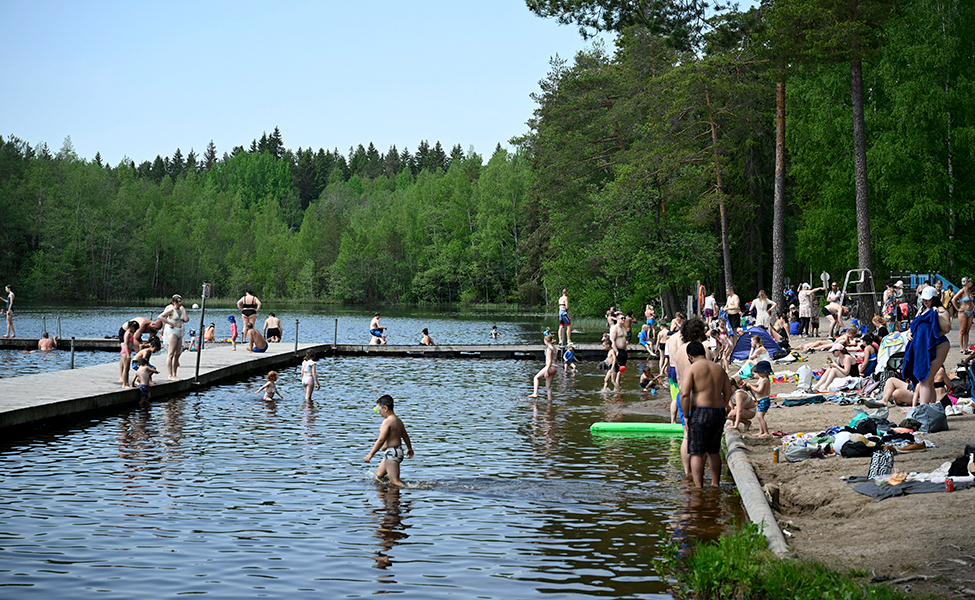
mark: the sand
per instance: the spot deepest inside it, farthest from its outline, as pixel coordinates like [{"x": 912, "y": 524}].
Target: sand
[{"x": 923, "y": 543}]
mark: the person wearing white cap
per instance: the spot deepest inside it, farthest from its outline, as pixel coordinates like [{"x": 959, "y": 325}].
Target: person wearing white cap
[
  {"x": 928, "y": 348},
  {"x": 806, "y": 307},
  {"x": 964, "y": 303}
]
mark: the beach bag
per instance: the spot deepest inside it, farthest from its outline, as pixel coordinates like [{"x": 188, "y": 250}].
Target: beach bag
[
  {"x": 931, "y": 417},
  {"x": 881, "y": 463},
  {"x": 746, "y": 371},
  {"x": 799, "y": 451},
  {"x": 805, "y": 378}
]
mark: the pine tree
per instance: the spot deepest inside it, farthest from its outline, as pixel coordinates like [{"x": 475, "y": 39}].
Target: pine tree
[
  {"x": 210, "y": 156},
  {"x": 191, "y": 162},
  {"x": 391, "y": 163},
  {"x": 374, "y": 162},
  {"x": 357, "y": 160},
  {"x": 275, "y": 145}
]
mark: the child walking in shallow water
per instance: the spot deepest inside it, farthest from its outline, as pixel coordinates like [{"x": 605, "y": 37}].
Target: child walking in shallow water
[
  {"x": 270, "y": 387},
  {"x": 143, "y": 378},
  {"x": 392, "y": 436},
  {"x": 309, "y": 374},
  {"x": 549, "y": 370}
]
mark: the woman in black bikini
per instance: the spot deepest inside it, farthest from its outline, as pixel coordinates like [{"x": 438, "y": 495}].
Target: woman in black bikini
[{"x": 248, "y": 306}]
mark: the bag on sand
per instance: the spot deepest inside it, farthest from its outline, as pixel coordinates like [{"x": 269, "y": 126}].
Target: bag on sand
[
  {"x": 931, "y": 417},
  {"x": 881, "y": 463},
  {"x": 805, "y": 378}
]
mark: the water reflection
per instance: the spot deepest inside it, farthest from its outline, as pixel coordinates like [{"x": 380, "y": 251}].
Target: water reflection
[{"x": 391, "y": 528}]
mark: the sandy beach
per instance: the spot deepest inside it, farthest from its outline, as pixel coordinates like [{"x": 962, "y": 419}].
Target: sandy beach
[{"x": 920, "y": 542}]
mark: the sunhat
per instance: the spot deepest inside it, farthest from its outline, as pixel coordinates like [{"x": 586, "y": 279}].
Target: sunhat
[
  {"x": 763, "y": 366},
  {"x": 929, "y": 293},
  {"x": 836, "y": 347}
]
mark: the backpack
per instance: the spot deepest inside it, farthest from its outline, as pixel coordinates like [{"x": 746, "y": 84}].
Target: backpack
[{"x": 931, "y": 417}]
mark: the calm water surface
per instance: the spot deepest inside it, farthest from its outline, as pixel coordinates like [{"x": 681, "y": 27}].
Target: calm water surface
[{"x": 219, "y": 493}]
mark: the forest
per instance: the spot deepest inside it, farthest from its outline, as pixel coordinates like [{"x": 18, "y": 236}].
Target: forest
[{"x": 730, "y": 148}]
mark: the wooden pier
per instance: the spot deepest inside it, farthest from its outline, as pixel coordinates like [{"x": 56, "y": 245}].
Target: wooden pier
[{"x": 33, "y": 398}]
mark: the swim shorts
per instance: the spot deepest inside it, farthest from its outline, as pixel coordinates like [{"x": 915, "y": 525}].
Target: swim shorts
[
  {"x": 705, "y": 430},
  {"x": 672, "y": 378},
  {"x": 621, "y": 356},
  {"x": 376, "y": 333},
  {"x": 708, "y": 313},
  {"x": 259, "y": 350},
  {"x": 144, "y": 391},
  {"x": 764, "y": 404},
  {"x": 395, "y": 454},
  {"x": 273, "y": 332},
  {"x": 564, "y": 318}
]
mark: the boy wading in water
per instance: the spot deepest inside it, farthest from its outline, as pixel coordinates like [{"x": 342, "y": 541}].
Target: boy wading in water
[
  {"x": 392, "y": 435},
  {"x": 705, "y": 393}
]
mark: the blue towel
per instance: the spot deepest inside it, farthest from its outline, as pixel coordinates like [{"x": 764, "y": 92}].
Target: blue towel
[{"x": 922, "y": 347}]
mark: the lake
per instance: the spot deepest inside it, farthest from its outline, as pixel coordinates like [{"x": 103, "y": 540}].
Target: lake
[{"x": 222, "y": 494}]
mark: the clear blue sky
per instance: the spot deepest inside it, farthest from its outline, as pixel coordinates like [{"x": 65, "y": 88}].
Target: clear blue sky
[{"x": 138, "y": 79}]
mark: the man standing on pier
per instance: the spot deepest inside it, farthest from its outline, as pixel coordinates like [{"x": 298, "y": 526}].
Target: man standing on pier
[
  {"x": 564, "y": 319},
  {"x": 378, "y": 332}
]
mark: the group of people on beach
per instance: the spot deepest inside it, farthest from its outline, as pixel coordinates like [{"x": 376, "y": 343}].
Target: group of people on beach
[{"x": 695, "y": 355}]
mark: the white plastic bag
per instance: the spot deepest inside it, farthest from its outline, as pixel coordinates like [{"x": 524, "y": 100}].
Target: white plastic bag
[{"x": 805, "y": 378}]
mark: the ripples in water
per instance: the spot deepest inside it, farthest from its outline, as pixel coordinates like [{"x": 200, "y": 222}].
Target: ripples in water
[{"x": 223, "y": 494}]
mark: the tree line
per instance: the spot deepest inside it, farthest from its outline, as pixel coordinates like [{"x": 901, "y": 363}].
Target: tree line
[{"x": 720, "y": 146}]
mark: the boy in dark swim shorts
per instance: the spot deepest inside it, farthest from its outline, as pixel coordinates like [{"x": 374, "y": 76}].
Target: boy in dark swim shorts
[
  {"x": 705, "y": 395},
  {"x": 143, "y": 377}
]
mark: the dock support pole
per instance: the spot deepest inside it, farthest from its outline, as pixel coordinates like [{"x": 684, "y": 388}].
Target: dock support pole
[
  {"x": 43, "y": 325},
  {"x": 296, "y": 337},
  {"x": 59, "y": 326},
  {"x": 72, "y": 352},
  {"x": 199, "y": 339},
  {"x": 335, "y": 338}
]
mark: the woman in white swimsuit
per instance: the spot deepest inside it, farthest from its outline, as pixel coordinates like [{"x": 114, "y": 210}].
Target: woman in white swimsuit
[
  {"x": 309, "y": 375},
  {"x": 174, "y": 317}
]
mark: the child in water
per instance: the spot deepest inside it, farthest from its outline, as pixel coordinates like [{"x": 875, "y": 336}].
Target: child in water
[
  {"x": 392, "y": 436},
  {"x": 143, "y": 378},
  {"x": 569, "y": 357},
  {"x": 309, "y": 374},
  {"x": 270, "y": 387},
  {"x": 146, "y": 353}
]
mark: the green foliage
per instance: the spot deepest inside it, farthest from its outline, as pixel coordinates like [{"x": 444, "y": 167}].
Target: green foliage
[{"x": 739, "y": 566}]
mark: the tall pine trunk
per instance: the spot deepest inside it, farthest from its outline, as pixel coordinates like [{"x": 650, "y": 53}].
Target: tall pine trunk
[
  {"x": 778, "y": 207},
  {"x": 865, "y": 311},
  {"x": 719, "y": 185}
]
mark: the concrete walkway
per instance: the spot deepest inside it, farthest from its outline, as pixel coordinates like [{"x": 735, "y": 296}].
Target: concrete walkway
[{"x": 33, "y": 398}]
